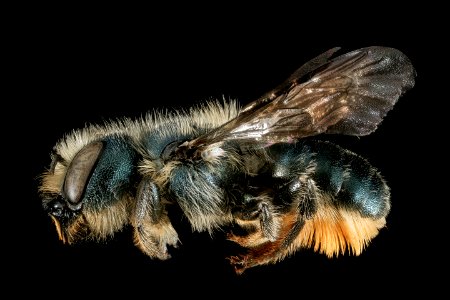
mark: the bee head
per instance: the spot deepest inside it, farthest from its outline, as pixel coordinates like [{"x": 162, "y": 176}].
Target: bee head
[
  {"x": 66, "y": 207},
  {"x": 87, "y": 194}
]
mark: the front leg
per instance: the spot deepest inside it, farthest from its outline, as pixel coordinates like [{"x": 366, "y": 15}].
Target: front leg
[{"x": 153, "y": 230}]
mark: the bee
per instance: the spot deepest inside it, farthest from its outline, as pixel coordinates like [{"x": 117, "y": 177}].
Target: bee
[{"x": 258, "y": 173}]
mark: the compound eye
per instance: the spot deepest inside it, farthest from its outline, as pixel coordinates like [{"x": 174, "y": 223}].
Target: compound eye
[
  {"x": 56, "y": 208},
  {"x": 79, "y": 172}
]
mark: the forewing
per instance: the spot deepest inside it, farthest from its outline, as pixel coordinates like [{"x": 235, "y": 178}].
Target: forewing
[{"x": 349, "y": 94}]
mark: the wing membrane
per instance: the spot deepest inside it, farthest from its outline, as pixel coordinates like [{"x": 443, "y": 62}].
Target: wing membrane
[{"x": 349, "y": 95}]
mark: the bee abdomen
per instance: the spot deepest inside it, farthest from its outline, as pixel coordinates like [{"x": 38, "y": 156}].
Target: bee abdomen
[
  {"x": 351, "y": 181},
  {"x": 322, "y": 171},
  {"x": 329, "y": 199}
]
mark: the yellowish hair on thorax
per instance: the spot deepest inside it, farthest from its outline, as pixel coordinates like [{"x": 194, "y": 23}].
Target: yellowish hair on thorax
[
  {"x": 161, "y": 178},
  {"x": 213, "y": 113},
  {"x": 147, "y": 167}
]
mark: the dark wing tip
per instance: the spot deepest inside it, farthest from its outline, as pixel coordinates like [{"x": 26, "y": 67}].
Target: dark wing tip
[{"x": 380, "y": 78}]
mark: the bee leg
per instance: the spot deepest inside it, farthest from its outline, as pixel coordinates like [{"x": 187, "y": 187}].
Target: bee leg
[
  {"x": 248, "y": 235},
  {"x": 299, "y": 196},
  {"x": 153, "y": 230},
  {"x": 269, "y": 224},
  {"x": 270, "y": 251},
  {"x": 256, "y": 212}
]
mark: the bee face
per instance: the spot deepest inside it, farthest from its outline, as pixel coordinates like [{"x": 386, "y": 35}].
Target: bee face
[
  {"x": 63, "y": 216},
  {"x": 88, "y": 196}
]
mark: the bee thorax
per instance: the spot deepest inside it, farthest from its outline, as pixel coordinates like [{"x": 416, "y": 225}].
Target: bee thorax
[{"x": 212, "y": 153}]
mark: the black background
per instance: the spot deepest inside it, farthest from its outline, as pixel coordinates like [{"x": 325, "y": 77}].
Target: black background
[{"x": 88, "y": 69}]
